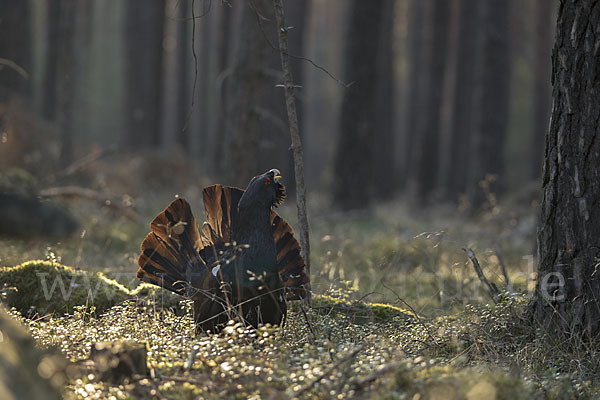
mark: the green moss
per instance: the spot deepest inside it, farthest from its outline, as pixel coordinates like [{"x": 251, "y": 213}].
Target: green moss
[
  {"x": 359, "y": 311},
  {"x": 159, "y": 297},
  {"x": 45, "y": 287},
  {"x": 17, "y": 180}
]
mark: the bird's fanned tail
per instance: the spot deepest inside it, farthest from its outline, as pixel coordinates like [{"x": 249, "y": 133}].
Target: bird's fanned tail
[{"x": 290, "y": 263}]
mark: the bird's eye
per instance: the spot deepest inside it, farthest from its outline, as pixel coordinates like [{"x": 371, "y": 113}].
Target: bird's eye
[{"x": 267, "y": 181}]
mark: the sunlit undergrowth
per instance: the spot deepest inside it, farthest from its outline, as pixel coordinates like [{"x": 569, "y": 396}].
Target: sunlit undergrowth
[
  {"x": 375, "y": 270},
  {"x": 485, "y": 352}
]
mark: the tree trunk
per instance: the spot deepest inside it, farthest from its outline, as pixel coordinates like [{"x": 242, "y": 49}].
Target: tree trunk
[
  {"x": 542, "y": 88},
  {"x": 174, "y": 46},
  {"x": 51, "y": 61},
  {"x": 416, "y": 53},
  {"x": 353, "y": 161},
  {"x": 246, "y": 91},
  {"x": 460, "y": 129},
  {"x": 143, "y": 57},
  {"x": 490, "y": 104},
  {"x": 15, "y": 47},
  {"x": 65, "y": 78},
  {"x": 566, "y": 297},
  {"x": 427, "y": 129},
  {"x": 382, "y": 187},
  {"x": 217, "y": 36}
]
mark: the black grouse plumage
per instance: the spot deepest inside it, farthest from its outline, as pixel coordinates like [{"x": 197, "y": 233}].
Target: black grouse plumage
[{"x": 244, "y": 262}]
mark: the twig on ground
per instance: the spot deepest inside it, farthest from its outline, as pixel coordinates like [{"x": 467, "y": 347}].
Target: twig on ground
[
  {"x": 400, "y": 299},
  {"x": 191, "y": 358},
  {"x": 492, "y": 289},
  {"x": 85, "y": 161},
  {"x": 502, "y": 265},
  {"x": 360, "y": 384},
  {"x": 329, "y": 370},
  {"x": 310, "y": 327}
]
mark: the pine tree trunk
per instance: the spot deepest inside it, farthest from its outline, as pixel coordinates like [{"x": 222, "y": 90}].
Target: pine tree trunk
[
  {"x": 15, "y": 47},
  {"x": 566, "y": 297},
  {"x": 382, "y": 187},
  {"x": 246, "y": 91},
  {"x": 460, "y": 127},
  {"x": 51, "y": 61},
  {"x": 542, "y": 88},
  {"x": 426, "y": 147},
  {"x": 143, "y": 60},
  {"x": 65, "y": 79},
  {"x": 490, "y": 103},
  {"x": 416, "y": 53},
  {"x": 173, "y": 74},
  {"x": 217, "y": 35},
  {"x": 353, "y": 159}
]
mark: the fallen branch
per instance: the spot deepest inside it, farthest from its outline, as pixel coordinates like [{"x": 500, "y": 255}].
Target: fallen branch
[
  {"x": 502, "y": 265},
  {"x": 310, "y": 327},
  {"x": 79, "y": 192},
  {"x": 85, "y": 161},
  {"x": 360, "y": 384},
  {"x": 492, "y": 289},
  {"x": 400, "y": 299},
  {"x": 329, "y": 370}
]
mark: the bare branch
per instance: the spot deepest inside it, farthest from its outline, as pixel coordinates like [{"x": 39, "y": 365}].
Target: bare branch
[
  {"x": 329, "y": 370},
  {"x": 502, "y": 265},
  {"x": 15, "y": 67},
  {"x": 294, "y": 133},
  {"x": 260, "y": 18},
  {"x": 492, "y": 290}
]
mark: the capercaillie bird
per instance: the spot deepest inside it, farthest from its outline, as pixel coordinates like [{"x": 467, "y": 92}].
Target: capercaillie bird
[{"x": 244, "y": 263}]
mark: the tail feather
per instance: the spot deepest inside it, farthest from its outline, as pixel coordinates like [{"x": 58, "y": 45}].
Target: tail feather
[
  {"x": 220, "y": 203},
  {"x": 291, "y": 265},
  {"x": 170, "y": 253},
  {"x": 209, "y": 236}
]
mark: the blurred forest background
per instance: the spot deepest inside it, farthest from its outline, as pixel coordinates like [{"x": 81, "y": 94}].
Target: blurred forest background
[{"x": 438, "y": 101}]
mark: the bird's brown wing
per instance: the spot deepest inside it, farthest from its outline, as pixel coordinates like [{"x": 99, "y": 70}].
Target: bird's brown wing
[{"x": 290, "y": 263}]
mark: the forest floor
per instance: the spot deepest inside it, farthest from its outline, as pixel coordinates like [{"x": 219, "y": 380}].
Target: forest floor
[{"x": 442, "y": 337}]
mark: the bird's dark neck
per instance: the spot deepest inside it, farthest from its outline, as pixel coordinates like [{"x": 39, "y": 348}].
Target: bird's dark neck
[
  {"x": 254, "y": 229},
  {"x": 252, "y": 225}
]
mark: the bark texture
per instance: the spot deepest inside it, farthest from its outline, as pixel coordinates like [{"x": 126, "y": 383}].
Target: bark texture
[{"x": 566, "y": 297}]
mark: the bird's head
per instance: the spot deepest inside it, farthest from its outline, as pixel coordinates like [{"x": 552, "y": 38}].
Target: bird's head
[{"x": 264, "y": 190}]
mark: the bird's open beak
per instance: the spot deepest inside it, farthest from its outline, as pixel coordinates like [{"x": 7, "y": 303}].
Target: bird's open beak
[{"x": 276, "y": 174}]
